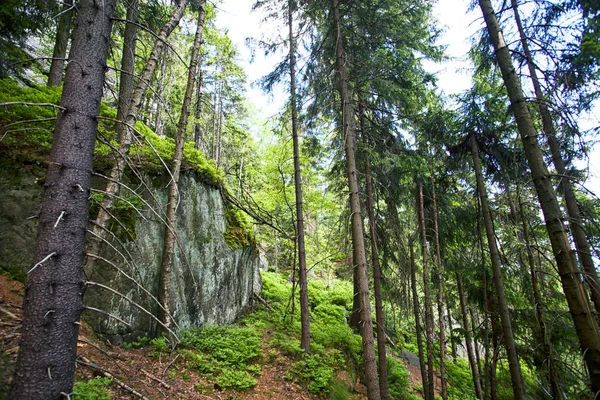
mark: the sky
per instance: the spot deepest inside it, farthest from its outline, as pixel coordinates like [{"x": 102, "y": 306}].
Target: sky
[
  {"x": 237, "y": 16},
  {"x": 453, "y": 76}
]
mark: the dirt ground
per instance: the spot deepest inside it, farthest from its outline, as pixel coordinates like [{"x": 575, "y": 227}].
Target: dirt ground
[{"x": 137, "y": 374}]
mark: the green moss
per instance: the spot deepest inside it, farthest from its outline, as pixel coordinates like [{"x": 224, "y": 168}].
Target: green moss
[
  {"x": 237, "y": 232},
  {"x": 27, "y": 132},
  {"x": 94, "y": 389},
  {"x": 226, "y": 354},
  {"x": 125, "y": 212}
]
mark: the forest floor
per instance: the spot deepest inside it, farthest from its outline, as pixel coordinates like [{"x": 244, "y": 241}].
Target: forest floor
[{"x": 147, "y": 374}]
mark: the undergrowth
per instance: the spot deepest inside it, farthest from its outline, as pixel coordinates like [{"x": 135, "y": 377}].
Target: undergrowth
[
  {"x": 227, "y": 355},
  {"x": 93, "y": 389}
]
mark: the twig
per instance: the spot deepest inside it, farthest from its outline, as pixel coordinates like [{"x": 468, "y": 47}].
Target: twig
[
  {"x": 149, "y": 375},
  {"x": 136, "y": 305},
  {"x": 170, "y": 365},
  {"x": 13, "y": 316},
  {"x": 84, "y": 361},
  {"x": 263, "y": 301},
  {"x": 41, "y": 262},
  {"x": 22, "y": 103},
  {"x": 108, "y": 315}
]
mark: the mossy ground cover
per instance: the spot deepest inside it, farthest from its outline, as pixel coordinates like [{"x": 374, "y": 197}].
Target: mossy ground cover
[{"x": 27, "y": 123}]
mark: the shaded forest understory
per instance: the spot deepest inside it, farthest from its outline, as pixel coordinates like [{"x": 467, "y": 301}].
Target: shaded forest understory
[{"x": 413, "y": 243}]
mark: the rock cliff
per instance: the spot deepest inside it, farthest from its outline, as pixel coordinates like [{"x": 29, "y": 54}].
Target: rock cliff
[{"x": 213, "y": 279}]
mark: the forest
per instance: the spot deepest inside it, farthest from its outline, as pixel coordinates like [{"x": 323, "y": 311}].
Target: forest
[{"x": 375, "y": 239}]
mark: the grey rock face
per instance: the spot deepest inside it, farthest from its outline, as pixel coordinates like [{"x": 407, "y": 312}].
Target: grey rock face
[
  {"x": 212, "y": 283},
  {"x": 412, "y": 358}
]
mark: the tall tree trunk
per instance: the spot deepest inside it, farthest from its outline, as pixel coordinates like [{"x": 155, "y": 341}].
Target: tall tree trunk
[
  {"x": 219, "y": 139},
  {"x": 470, "y": 353},
  {"x": 125, "y": 133},
  {"x": 159, "y": 125},
  {"x": 453, "y": 345},
  {"x": 418, "y": 329},
  {"x": 476, "y": 347},
  {"x": 304, "y": 316},
  {"x": 509, "y": 341},
  {"x": 63, "y": 31},
  {"x": 584, "y": 321},
  {"x": 575, "y": 223},
  {"x": 440, "y": 273},
  {"x": 126, "y": 81},
  {"x": 379, "y": 316},
  {"x": 52, "y": 305},
  {"x": 198, "y": 128},
  {"x": 358, "y": 243},
  {"x": 489, "y": 315},
  {"x": 426, "y": 293},
  {"x": 164, "y": 288},
  {"x": 544, "y": 333}
]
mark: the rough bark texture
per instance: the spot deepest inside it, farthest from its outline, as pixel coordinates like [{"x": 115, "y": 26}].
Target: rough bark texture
[
  {"x": 125, "y": 132},
  {"x": 575, "y": 223},
  {"x": 509, "y": 342},
  {"x": 379, "y": 316},
  {"x": 52, "y": 304},
  {"x": 470, "y": 353},
  {"x": 358, "y": 244},
  {"x": 418, "y": 329},
  {"x": 63, "y": 31},
  {"x": 583, "y": 319},
  {"x": 304, "y": 316},
  {"x": 426, "y": 293},
  {"x": 164, "y": 287}
]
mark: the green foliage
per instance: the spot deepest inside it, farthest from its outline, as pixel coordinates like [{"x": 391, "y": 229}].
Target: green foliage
[
  {"x": 239, "y": 380},
  {"x": 238, "y": 228},
  {"x": 225, "y": 354},
  {"x": 332, "y": 340},
  {"x": 398, "y": 379},
  {"x": 460, "y": 380},
  {"x": 230, "y": 345},
  {"x": 28, "y": 131},
  {"x": 94, "y": 389},
  {"x": 316, "y": 371}
]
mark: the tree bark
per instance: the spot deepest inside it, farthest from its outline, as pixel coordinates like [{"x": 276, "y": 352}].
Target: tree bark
[
  {"x": 358, "y": 244},
  {"x": 544, "y": 333},
  {"x": 304, "y": 315},
  {"x": 440, "y": 273},
  {"x": 159, "y": 125},
  {"x": 418, "y": 329},
  {"x": 52, "y": 306},
  {"x": 125, "y": 133},
  {"x": 198, "y": 129},
  {"x": 63, "y": 31},
  {"x": 575, "y": 223},
  {"x": 584, "y": 321},
  {"x": 426, "y": 292},
  {"x": 164, "y": 288},
  {"x": 509, "y": 341},
  {"x": 470, "y": 353},
  {"x": 126, "y": 81},
  {"x": 379, "y": 316}
]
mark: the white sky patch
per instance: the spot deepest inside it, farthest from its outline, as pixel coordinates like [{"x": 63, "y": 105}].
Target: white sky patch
[
  {"x": 454, "y": 76},
  {"x": 241, "y": 22}
]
